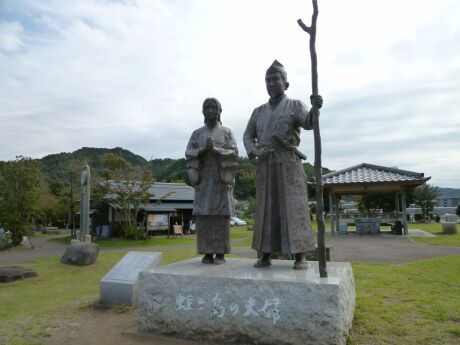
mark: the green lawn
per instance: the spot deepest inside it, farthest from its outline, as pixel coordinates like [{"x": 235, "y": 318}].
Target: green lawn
[
  {"x": 236, "y": 232},
  {"x": 440, "y": 239},
  {"x": 428, "y": 227},
  {"x": 26, "y": 305},
  {"x": 121, "y": 243},
  {"x": 411, "y": 304}
]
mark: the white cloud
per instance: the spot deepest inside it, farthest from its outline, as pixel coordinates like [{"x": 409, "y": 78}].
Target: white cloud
[
  {"x": 134, "y": 74},
  {"x": 10, "y": 36}
]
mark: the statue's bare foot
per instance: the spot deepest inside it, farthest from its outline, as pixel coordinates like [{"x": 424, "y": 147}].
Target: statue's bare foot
[
  {"x": 220, "y": 259},
  {"x": 207, "y": 259},
  {"x": 265, "y": 261},
  {"x": 300, "y": 263}
]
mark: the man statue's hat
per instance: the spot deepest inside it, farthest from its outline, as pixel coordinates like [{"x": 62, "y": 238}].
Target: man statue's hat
[{"x": 276, "y": 66}]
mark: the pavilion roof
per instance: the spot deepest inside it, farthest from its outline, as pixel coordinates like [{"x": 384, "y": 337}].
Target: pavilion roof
[{"x": 365, "y": 173}]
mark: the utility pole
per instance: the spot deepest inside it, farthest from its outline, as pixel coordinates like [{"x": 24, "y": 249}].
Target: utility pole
[{"x": 72, "y": 223}]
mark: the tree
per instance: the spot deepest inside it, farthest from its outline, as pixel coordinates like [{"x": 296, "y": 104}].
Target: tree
[
  {"x": 126, "y": 187},
  {"x": 425, "y": 197},
  {"x": 457, "y": 211},
  {"x": 372, "y": 203},
  {"x": 245, "y": 179},
  {"x": 19, "y": 192}
]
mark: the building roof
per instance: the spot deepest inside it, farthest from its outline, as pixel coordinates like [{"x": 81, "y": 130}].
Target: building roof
[
  {"x": 167, "y": 207},
  {"x": 365, "y": 173},
  {"x": 171, "y": 191},
  {"x": 161, "y": 206}
]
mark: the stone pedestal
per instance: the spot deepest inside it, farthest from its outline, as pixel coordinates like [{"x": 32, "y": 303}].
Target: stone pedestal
[
  {"x": 236, "y": 302},
  {"x": 367, "y": 226},
  {"x": 449, "y": 228},
  {"x": 120, "y": 285}
]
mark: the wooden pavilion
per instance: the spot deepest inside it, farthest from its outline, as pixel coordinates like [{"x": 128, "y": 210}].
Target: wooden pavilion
[{"x": 369, "y": 178}]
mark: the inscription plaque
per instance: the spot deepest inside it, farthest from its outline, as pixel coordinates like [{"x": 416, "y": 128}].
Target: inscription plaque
[{"x": 119, "y": 285}]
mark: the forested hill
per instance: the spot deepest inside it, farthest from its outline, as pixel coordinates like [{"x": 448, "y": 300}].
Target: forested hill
[
  {"x": 56, "y": 168},
  {"x": 449, "y": 192}
]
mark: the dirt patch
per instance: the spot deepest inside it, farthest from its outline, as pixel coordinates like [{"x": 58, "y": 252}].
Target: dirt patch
[{"x": 84, "y": 324}]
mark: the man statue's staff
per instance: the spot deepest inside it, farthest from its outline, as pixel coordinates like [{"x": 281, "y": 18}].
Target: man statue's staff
[{"x": 311, "y": 30}]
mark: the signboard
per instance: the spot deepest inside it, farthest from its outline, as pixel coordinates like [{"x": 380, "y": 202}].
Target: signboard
[{"x": 158, "y": 222}]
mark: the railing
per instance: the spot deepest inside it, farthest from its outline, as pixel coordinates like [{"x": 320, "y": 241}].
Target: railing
[{"x": 385, "y": 217}]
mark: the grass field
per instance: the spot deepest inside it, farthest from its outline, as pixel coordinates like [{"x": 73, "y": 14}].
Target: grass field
[
  {"x": 440, "y": 239},
  {"x": 24, "y": 303},
  {"x": 412, "y": 304},
  {"x": 237, "y": 232}
]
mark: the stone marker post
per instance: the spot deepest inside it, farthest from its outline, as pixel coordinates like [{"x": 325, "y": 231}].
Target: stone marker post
[{"x": 84, "y": 203}]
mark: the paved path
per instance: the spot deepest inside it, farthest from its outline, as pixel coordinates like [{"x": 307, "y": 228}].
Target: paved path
[
  {"x": 384, "y": 248},
  {"x": 351, "y": 247},
  {"x": 43, "y": 247},
  {"x": 20, "y": 255}
]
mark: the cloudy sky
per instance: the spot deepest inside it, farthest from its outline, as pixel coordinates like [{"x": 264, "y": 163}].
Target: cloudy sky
[{"x": 135, "y": 73}]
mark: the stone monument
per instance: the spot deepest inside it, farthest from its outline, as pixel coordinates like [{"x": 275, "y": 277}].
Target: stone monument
[
  {"x": 120, "y": 285},
  {"x": 267, "y": 302},
  {"x": 242, "y": 304},
  {"x": 211, "y": 156},
  {"x": 85, "y": 180},
  {"x": 449, "y": 224},
  {"x": 82, "y": 252}
]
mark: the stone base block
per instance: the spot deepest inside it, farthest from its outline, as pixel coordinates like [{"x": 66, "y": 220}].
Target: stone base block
[
  {"x": 449, "y": 228},
  {"x": 120, "y": 285},
  {"x": 12, "y": 273},
  {"x": 238, "y": 303}
]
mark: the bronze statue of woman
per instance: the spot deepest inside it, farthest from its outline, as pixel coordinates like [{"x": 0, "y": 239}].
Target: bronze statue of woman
[{"x": 211, "y": 157}]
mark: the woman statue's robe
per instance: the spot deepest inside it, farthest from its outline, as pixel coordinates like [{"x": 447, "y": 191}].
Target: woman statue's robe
[{"x": 212, "y": 174}]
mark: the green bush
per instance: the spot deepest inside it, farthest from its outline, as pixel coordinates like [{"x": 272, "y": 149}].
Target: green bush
[{"x": 133, "y": 232}]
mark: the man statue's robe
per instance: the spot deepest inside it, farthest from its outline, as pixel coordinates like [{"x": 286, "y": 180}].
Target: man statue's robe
[{"x": 282, "y": 222}]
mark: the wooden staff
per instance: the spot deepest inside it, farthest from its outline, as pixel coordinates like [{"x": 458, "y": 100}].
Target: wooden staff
[{"x": 311, "y": 30}]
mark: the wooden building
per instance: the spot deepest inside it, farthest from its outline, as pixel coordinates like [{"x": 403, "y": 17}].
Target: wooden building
[
  {"x": 369, "y": 178},
  {"x": 170, "y": 204}
]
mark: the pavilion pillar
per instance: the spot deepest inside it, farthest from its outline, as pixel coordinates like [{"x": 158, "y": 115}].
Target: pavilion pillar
[
  {"x": 331, "y": 212},
  {"x": 404, "y": 212},
  {"x": 337, "y": 213},
  {"x": 397, "y": 208}
]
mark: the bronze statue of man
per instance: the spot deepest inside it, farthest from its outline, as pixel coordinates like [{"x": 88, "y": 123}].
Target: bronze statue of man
[
  {"x": 282, "y": 222},
  {"x": 211, "y": 157}
]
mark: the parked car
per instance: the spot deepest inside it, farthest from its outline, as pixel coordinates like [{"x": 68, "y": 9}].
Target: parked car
[{"x": 234, "y": 221}]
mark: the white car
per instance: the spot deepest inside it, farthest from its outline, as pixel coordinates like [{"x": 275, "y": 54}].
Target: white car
[{"x": 234, "y": 221}]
